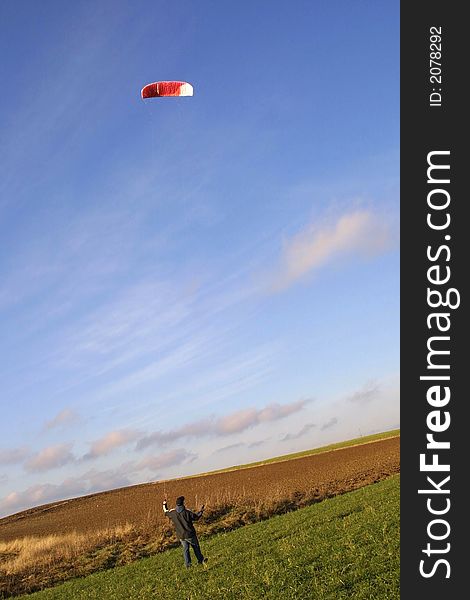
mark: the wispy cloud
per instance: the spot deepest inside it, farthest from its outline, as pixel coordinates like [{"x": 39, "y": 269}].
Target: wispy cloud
[
  {"x": 64, "y": 418},
  {"x": 229, "y": 447},
  {"x": 236, "y": 422},
  {"x": 164, "y": 460},
  {"x": 35, "y": 495},
  {"x": 151, "y": 328},
  {"x": 92, "y": 481},
  {"x": 11, "y": 456},
  {"x": 50, "y": 458},
  {"x": 369, "y": 392},
  {"x": 257, "y": 443},
  {"x": 331, "y": 423},
  {"x": 111, "y": 441},
  {"x": 356, "y": 233},
  {"x": 294, "y": 436},
  {"x": 43, "y": 493}
]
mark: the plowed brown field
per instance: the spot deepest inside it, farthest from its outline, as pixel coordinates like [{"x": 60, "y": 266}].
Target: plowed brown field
[{"x": 325, "y": 474}]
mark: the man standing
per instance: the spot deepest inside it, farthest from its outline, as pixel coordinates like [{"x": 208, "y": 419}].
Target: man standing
[{"x": 182, "y": 519}]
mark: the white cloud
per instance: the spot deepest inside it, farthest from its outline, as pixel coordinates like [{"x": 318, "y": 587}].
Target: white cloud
[
  {"x": 62, "y": 419},
  {"x": 166, "y": 459},
  {"x": 236, "y": 422},
  {"x": 295, "y": 436},
  {"x": 91, "y": 481},
  {"x": 356, "y": 233},
  {"x": 229, "y": 447},
  {"x": 331, "y": 423},
  {"x": 110, "y": 441},
  {"x": 369, "y": 392},
  {"x": 50, "y": 458},
  {"x": 11, "y": 456}
]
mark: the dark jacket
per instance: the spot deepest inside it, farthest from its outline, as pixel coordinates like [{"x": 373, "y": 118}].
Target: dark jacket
[{"x": 182, "y": 519}]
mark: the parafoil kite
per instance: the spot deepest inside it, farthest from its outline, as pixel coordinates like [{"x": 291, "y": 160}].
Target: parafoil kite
[{"x": 161, "y": 89}]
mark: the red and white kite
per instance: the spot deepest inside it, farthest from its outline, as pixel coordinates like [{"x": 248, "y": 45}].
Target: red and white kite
[{"x": 162, "y": 89}]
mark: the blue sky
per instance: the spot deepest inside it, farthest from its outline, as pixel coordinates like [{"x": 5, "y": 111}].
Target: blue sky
[{"x": 197, "y": 282}]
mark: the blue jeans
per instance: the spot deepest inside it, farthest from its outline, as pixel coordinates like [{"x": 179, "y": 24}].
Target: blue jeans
[{"x": 194, "y": 544}]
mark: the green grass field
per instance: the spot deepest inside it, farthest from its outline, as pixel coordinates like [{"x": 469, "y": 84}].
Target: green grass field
[{"x": 342, "y": 548}]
